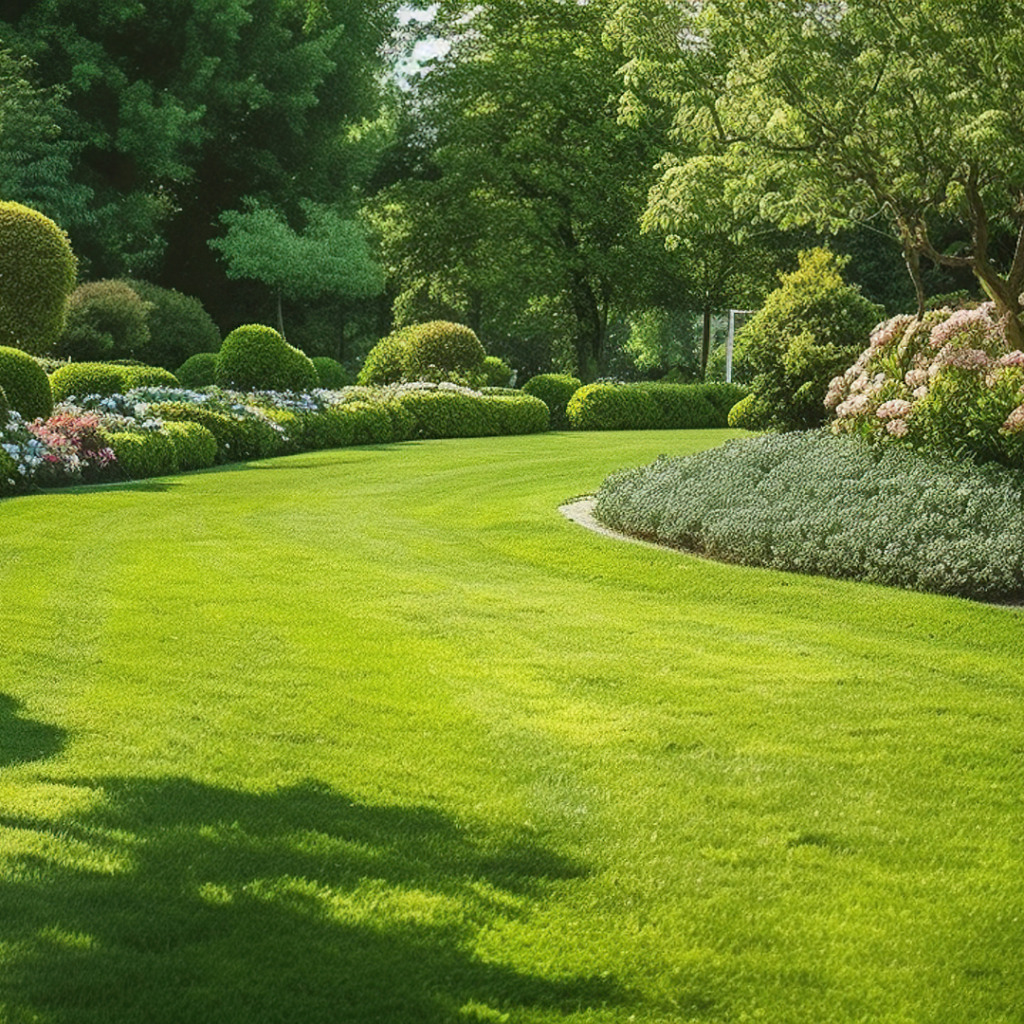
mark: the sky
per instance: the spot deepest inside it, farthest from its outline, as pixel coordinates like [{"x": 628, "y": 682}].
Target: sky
[{"x": 427, "y": 48}]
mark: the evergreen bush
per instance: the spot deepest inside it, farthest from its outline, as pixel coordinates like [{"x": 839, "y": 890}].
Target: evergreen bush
[
  {"x": 144, "y": 454},
  {"x": 555, "y": 390},
  {"x": 195, "y": 447},
  {"x": 25, "y": 384},
  {"x": 37, "y": 274},
  {"x": 256, "y": 358},
  {"x": 106, "y": 320},
  {"x": 652, "y": 406},
  {"x": 179, "y": 327},
  {"x": 198, "y": 371},
  {"x": 330, "y": 373},
  {"x": 808, "y": 331},
  {"x": 436, "y": 351},
  {"x": 496, "y": 373}
]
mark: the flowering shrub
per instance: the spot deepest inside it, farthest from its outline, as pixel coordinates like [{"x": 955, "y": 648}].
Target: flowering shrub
[
  {"x": 947, "y": 383},
  {"x": 65, "y": 449}
]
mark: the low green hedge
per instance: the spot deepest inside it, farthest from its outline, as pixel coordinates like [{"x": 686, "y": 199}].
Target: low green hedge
[
  {"x": 195, "y": 447},
  {"x": 25, "y": 384},
  {"x": 144, "y": 454},
  {"x": 76, "y": 380},
  {"x": 461, "y": 413},
  {"x": 238, "y": 440},
  {"x": 652, "y": 406}
]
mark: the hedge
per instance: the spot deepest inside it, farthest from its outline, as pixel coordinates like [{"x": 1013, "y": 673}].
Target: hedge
[{"x": 652, "y": 406}]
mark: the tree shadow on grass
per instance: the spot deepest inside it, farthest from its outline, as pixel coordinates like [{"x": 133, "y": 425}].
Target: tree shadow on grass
[
  {"x": 23, "y": 740},
  {"x": 175, "y": 902}
]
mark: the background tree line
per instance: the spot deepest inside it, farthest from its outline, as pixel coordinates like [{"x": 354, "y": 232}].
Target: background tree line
[{"x": 580, "y": 183}]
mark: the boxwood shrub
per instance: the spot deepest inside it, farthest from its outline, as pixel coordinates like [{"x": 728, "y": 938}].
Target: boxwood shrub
[
  {"x": 238, "y": 439},
  {"x": 652, "y": 406},
  {"x": 198, "y": 371},
  {"x": 25, "y": 384},
  {"x": 330, "y": 372},
  {"x": 255, "y": 357},
  {"x": 555, "y": 390},
  {"x": 143, "y": 454},
  {"x": 81, "y": 379},
  {"x": 195, "y": 447},
  {"x": 460, "y": 412}
]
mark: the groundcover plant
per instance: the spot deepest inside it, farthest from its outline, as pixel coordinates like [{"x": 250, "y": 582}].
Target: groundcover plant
[{"x": 375, "y": 734}]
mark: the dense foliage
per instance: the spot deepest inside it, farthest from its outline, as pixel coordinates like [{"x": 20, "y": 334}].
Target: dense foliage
[
  {"x": 438, "y": 350},
  {"x": 105, "y": 320},
  {"x": 256, "y": 357},
  {"x": 77, "y": 380},
  {"x": 651, "y": 406},
  {"x": 816, "y": 503},
  {"x": 809, "y": 329},
  {"x": 949, "y": 382},
  {"x": 179, "y": 326},
  {"x": 37, "y": 273},
  {"x": 25, "y": 384},
  {"x": 555, "y": 390}
]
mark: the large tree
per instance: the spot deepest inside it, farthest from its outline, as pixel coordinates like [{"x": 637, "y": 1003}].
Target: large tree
[
  {"x": 845, "y": 111},
  {"x": 528, "y": 189},
  {"x": 184, "y": 109}
]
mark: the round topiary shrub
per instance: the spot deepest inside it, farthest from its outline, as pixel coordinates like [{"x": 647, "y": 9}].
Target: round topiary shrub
[
  {"x": 256, "y": 358},
  {"x": 496, "y": 373},
  {"x": 139, "y": 455},
  {"x": 554, "y": 390},
  {"x": 37, "y": 274},
  {"x": 25, "y": 384},
  {"x": 148, "y": 377},
  {"x": 179, "y": 327},
  {"x": 76, "y": 380},
  {"x": 331, "y": 373},
  {"x": 106, "y": 320},
  {"x": 439, "y": 350},
  {"x": 385, "y": 362},
  {"x": 195, "y": 447},
  {"x": 198, "y": 371}
]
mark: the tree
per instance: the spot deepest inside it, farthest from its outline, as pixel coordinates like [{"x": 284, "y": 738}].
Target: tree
[
  {"x": 183, "y": 108},
  {"x": 528, "y": 187},
  {"x": 329, "y": 257},
  {"x": 846, "y": 111}
]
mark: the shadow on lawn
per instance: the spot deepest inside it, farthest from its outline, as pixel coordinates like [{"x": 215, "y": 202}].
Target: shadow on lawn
[
  {"x": 180, "y": 902},
  {"x": 23, "y": 740}
]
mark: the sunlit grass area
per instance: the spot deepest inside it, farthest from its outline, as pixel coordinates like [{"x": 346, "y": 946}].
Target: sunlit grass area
[{"x": 377, "y": 735}]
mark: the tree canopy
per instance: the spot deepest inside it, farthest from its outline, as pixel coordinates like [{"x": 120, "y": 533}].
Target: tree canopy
[
  {"x": 177, "y": 110},
  {"x": 847, "y": 111}
]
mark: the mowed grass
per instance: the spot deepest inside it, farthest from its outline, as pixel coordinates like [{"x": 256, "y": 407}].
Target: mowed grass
[{"x": 377, "y": 735}]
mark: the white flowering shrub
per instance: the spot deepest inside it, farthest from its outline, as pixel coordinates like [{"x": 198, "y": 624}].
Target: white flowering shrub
[
  {"x": 948, "y": 383},
  {"x": 813, "y": 502}
]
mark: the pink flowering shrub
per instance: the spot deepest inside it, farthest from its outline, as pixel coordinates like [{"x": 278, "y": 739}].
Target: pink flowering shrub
[
  {"x": 949, "y": 382},
  {"x": 75, "y": 448}
]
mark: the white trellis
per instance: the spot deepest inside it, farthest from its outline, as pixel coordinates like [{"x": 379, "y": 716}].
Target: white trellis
[{"x": 729, "y": 339}]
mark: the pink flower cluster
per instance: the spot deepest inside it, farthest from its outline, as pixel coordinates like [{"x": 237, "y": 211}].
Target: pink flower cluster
[
  {"x": 75, "y": 446},
  {"x": 918, "y": 376}
]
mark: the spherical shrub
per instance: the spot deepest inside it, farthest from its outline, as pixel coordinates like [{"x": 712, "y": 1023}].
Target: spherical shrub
[
  {"x": 194, "y": 446},
  {"x": 330, "y": 372},
  {"x": 198, "y": 371},
  {"x": 554, "y": 390},
  {"x": 81, "y": 379},
  {"x": 496, "y": 373},
  {"x": 25, "y": 384},
  {"x": 179, "y": 327},
  {"x": 37, "y": 274},
  {"x": 385, "y": 362},
  {"x": 256, "y": 358},
  {"x": 106, "y": 320},
  {"x": 440, "y": 349}
]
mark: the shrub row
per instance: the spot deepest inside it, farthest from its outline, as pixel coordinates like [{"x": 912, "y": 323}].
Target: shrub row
[
  {"x": 816, "y": 503},
  {"x": 80, "y": 379},
  {"x": 652, "y": 406}
]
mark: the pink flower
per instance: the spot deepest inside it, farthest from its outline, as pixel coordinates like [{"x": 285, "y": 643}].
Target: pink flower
[
  {"x": 1015, "y": 421},
  {"x": 893, "y": 409},
  {"x": 1014, "y": 358},
  {"x": 898, "y": 428}
]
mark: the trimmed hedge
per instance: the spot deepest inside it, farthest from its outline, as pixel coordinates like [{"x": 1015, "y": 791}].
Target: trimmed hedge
[
  {"x": 81, "y": 379},
  {"x": 37, "y": 274},
  {"x": 435, "y": 351},
  {"x": 555, "y": 390},
  {"x": 25, "y": 384},
  {"x": 149, "y": 453},
  {"x": 195, "y": 447},
  {"x": 238, "y": 440},
  {"x": 256, "y": 358},
  {"x": 106, "y": 320},
  {"x": 454, "y": 412},
  {"x": 652, "y": 406},
  {"x": 5, "y": 407}
]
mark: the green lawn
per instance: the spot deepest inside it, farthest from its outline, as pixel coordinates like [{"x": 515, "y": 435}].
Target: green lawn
[{"x": 376, "y": 735}]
